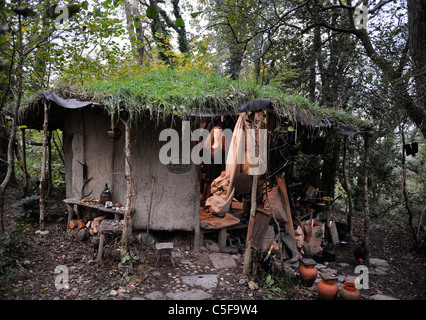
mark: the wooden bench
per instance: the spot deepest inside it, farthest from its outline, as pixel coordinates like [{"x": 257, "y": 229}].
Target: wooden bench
[
  {"x": 222, "y": 233},
  {"x": 74, "y": 207},
  {"x": 107, "y": 226}
]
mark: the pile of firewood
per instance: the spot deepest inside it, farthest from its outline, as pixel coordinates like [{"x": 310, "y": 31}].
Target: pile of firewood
[{"x": 82, "y": 231}]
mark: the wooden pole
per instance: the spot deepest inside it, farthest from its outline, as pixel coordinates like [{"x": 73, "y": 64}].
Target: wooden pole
[
  {"x": 24, "y": 161},
  {"x": 247, "y": 254},
  {"x": 43, "y": 166},
  {"x": 197, "y": 213},
  {"x": 127, "y": 225}
]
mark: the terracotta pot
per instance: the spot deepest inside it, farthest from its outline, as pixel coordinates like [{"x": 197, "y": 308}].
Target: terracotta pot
[
  {"x": 349, "y": 292},
  {"x": 327, "y": 289},
  {"x": 308, "y": 274}
]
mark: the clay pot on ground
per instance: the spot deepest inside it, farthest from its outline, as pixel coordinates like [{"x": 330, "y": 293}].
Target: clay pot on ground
[
  {"x": 349, "y": 292},
  {"x": 327, "y": 288},
  {"x": 308, "y": 274}
]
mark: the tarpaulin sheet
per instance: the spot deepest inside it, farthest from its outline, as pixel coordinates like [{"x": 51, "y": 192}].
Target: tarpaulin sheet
[{"x": 68, "y": 103}]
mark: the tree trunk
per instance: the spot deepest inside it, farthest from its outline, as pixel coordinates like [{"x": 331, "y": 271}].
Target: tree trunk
[
  {"x": 43, "y": 165},
  {"x": 181, "y": 31},
  {"x": 401, "y": 96},
  {"x": 404, "y": 189},
  {"x": 347, "y": 189},
  {"x": 13, "y": 129},
  {"x": 135, "y": 30},
  {"x": 366, "y": 205},
  {"x": 329, "y": 167},
  {"x": 49, "y": 164},
  {"x": 235, "y": 60},
  {"x": 417, "y": 49},
  {"x": 59, "y": 149}
]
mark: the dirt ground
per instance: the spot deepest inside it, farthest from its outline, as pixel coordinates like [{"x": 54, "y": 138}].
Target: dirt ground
[{"x": 36, "y": 256}]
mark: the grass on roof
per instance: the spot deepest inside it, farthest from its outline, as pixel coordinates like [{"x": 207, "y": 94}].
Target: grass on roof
[{"x": 168, "y": 91}]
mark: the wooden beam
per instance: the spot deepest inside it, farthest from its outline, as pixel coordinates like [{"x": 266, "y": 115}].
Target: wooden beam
[
  {"x": 289, "y": 224},
  {"x": 43, "y": 166},
  {"x": 247, "y": 256}
]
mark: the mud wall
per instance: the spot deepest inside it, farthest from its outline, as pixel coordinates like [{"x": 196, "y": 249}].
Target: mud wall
[{"x": 175, "y": 196}]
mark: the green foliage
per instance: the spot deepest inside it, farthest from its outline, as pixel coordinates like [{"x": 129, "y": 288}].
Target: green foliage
[
  {"x": 179, "y": 23},
  {"x": 278, "y": 285},
  {"x": 33, "y": 158},
  {"x": 152, "y": 12},
  {"x": 94, "y": 48},
  {"x": 28, "y": 207},
  {"x": 13, "y": 246},
  {"x": 126, "y": 258}
]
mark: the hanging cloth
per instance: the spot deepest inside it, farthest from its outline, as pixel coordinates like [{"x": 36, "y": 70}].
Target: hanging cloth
[{"x": 220, "y": 202}]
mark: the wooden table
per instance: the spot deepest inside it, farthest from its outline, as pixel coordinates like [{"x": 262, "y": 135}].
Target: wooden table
[
  {"x": 222, "y": 233},
  {"x": 71, "y": 202}
]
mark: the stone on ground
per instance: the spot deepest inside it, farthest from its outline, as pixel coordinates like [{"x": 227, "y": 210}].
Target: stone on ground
[
  {"x": 376, "y": 262},
  {"x": 189, "y": 295},
  {"x": 222, "y": 261},
  {"x": 155, "y": 295},
  {"x": 206, "y": 281},
  {"x": 381, "y": 297}
]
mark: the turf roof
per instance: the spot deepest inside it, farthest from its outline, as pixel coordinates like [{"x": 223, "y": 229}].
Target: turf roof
[{"x": 167, "y": 92}]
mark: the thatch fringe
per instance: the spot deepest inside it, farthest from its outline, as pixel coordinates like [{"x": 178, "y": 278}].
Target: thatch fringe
[{"x": 161, "y": 94}]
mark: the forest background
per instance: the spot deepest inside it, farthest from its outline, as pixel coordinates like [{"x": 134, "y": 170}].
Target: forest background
[{"x": 367, "y": 58}]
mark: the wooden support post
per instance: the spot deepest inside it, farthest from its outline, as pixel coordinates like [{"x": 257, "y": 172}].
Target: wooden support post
[
  {"x": 198, "y": 236},
  {"x": 43, "y": 165},
  {"x": 247, "y": 255},
  {"x": 24, "y": 161},
  {"x": 111, "y": 166},
  {"x": 289, "y": 224},
  {"x": 101, "y": 247},
  {"x": 221, "y": 241},
  {"x": 70, "y": 208},
  {"x": 127, "y": 226}
]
